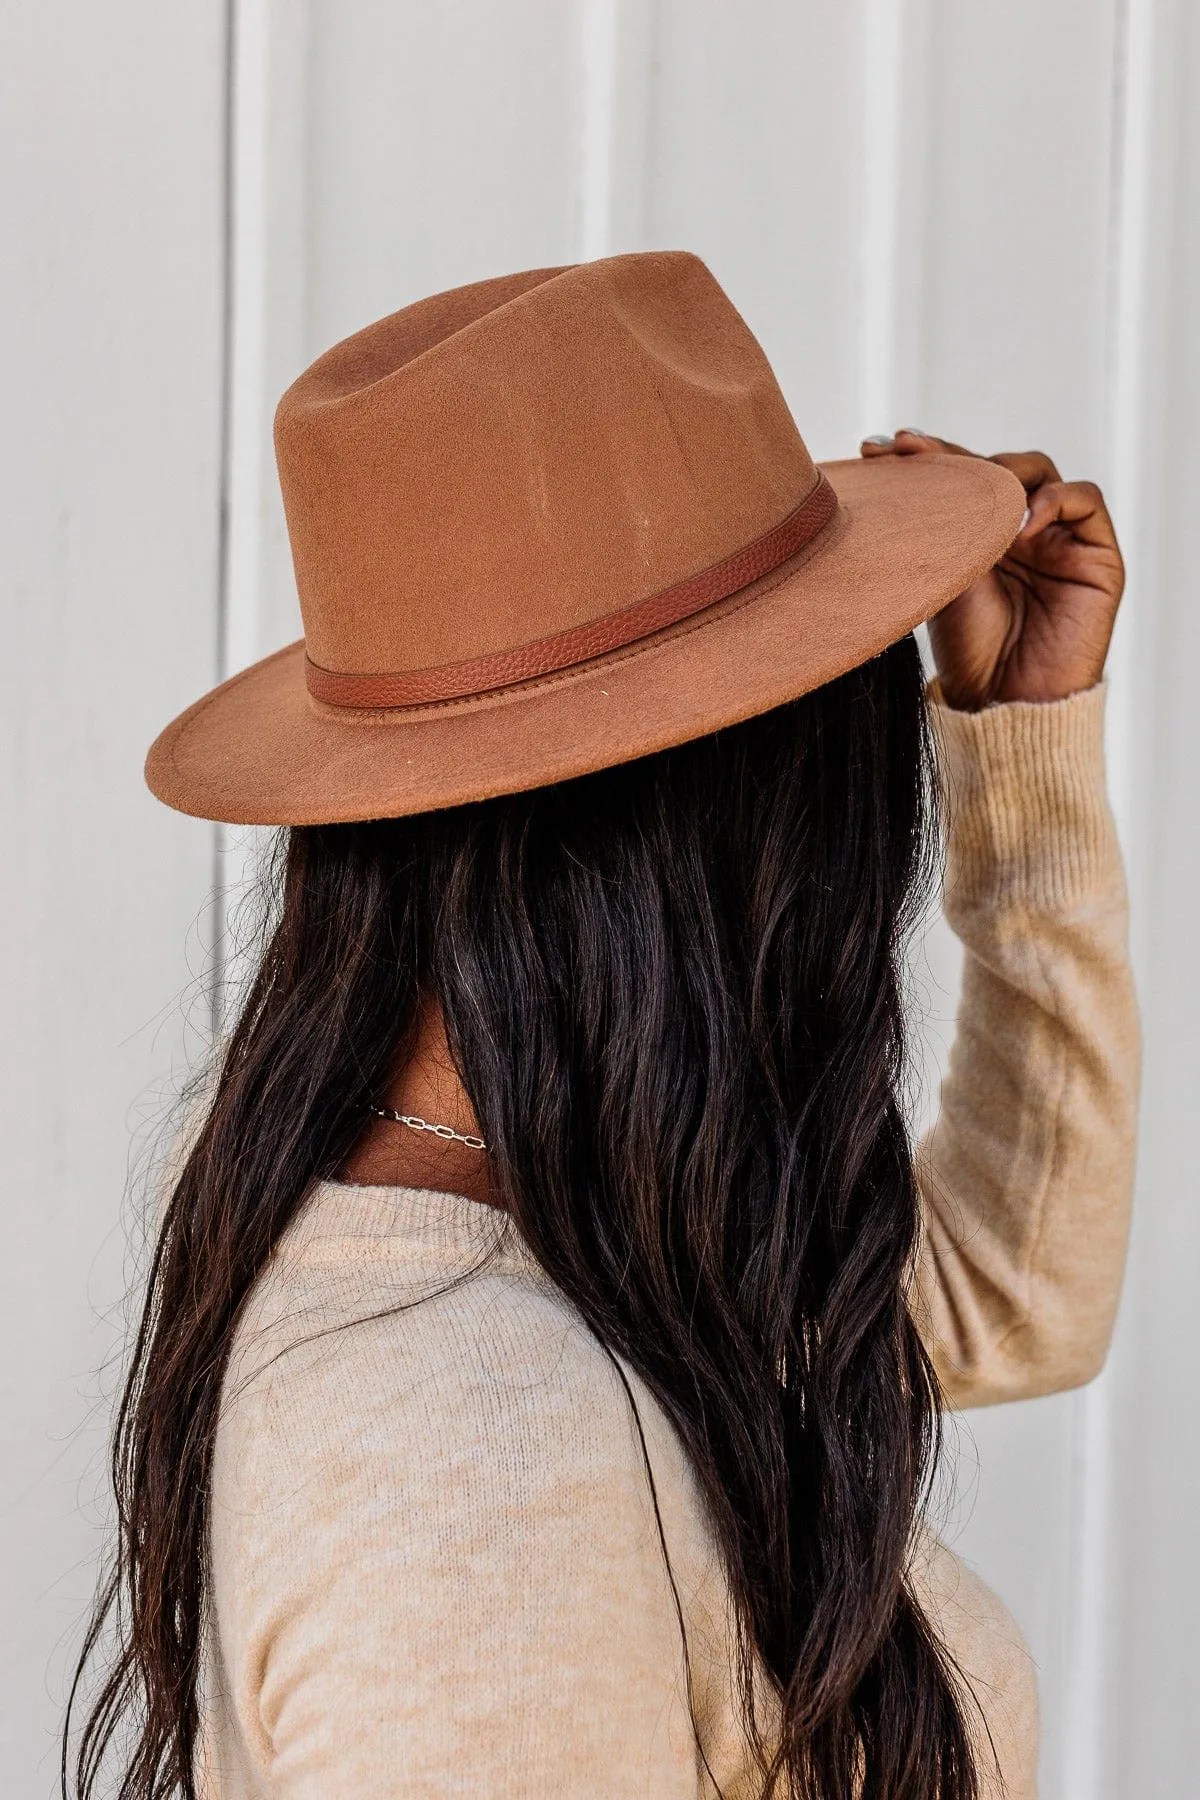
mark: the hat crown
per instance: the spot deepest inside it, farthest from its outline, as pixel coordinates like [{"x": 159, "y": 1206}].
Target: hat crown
[{"x": 525, "y": 456}]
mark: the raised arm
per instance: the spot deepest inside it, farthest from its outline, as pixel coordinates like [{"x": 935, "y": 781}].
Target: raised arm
[{"x": 1027, "y": 1174}]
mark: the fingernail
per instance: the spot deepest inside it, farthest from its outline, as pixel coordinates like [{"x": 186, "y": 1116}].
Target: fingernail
[
  {"x": 1025, "y": 518},
  {"x": 912, "y": 431},
  {"x": 879, "y": 438}
]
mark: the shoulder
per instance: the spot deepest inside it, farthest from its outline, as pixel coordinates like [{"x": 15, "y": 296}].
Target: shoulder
[
  {"x": 476, "y": 1419},
  {"x": 434, "y": 1521},
  {"x": 374, "y": 1360}
]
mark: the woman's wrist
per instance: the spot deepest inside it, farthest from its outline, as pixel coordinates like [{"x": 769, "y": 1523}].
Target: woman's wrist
[
  {"x": 1046, "y": 694},
  {"x": 1028, "y": 817}
]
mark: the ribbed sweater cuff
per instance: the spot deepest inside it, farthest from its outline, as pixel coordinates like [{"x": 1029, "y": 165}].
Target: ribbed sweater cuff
[{"x": 1027, "y": 811}]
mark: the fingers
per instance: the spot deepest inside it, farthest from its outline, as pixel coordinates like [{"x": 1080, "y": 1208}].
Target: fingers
[
  {"x": 908, "y": 442},
  {"x": 1031, "y": 467},
  {"x": 1077, "y": 504},
  {"x": 1052, "y": 501}
]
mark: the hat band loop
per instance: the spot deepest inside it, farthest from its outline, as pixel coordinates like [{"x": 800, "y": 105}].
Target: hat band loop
[{"x": 612, "y": 631}]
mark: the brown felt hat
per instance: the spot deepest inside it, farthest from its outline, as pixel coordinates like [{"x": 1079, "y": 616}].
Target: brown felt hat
[{"x": 552, "y": 522}]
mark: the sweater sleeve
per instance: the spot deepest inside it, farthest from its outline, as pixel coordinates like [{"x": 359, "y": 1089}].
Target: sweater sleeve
[
  {"x": 1027, "y": 1174},
  {"x": 435, "y": 1573}
]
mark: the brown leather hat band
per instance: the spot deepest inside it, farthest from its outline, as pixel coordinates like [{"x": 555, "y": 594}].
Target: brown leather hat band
[{"x": 613, "y": 631}]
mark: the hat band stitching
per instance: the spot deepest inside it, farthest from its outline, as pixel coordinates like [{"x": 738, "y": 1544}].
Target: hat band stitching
[{"x": 612, "y": 631}]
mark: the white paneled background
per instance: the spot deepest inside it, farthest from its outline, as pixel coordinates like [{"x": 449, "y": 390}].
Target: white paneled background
[{"x": 979, "y": 219}]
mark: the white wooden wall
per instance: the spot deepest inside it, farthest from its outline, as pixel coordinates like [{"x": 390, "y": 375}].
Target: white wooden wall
[
  {"x": 980, "y": 219},
  {"x": 111, "y": 354}
]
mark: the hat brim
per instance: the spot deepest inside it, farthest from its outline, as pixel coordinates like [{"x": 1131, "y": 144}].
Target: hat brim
[{"x": 910, "y": 534}]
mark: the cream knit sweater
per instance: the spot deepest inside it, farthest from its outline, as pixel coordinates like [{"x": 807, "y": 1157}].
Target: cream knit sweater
[{"x": 435, "y": 1568}]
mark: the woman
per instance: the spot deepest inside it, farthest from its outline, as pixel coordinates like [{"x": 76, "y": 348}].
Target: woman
[{"x": 539, "y": 1385}]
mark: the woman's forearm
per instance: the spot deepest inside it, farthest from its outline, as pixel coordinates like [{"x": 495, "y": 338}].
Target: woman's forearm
[{"x": 1028, "y": 1171}]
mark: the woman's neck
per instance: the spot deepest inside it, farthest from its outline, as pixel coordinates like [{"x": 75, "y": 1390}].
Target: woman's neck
[{"x": 425, "y": 1084}]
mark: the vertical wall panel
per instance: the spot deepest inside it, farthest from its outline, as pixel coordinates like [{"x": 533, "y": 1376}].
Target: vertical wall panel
[
  {"x": 268, "y": 232},
  {"x": 1152, "y": 1723},
  {"x": 111, "y": 146},
  {"x": 445, "y": 145},
  {"x": 756, "y": 163},
  {"x": 1011, "y": 351},
  {"x": 1019, "y": 150}
]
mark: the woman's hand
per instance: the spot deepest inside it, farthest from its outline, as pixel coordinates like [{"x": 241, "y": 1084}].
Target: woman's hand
[{"x": 1037, "y": 625}]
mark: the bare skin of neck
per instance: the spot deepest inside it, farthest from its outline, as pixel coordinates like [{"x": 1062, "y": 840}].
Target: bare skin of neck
[{"x": 424, "y": 1083}]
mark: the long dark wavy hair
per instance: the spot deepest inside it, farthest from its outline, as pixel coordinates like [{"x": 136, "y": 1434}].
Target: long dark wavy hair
[{"x": 673, "y": 993}]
